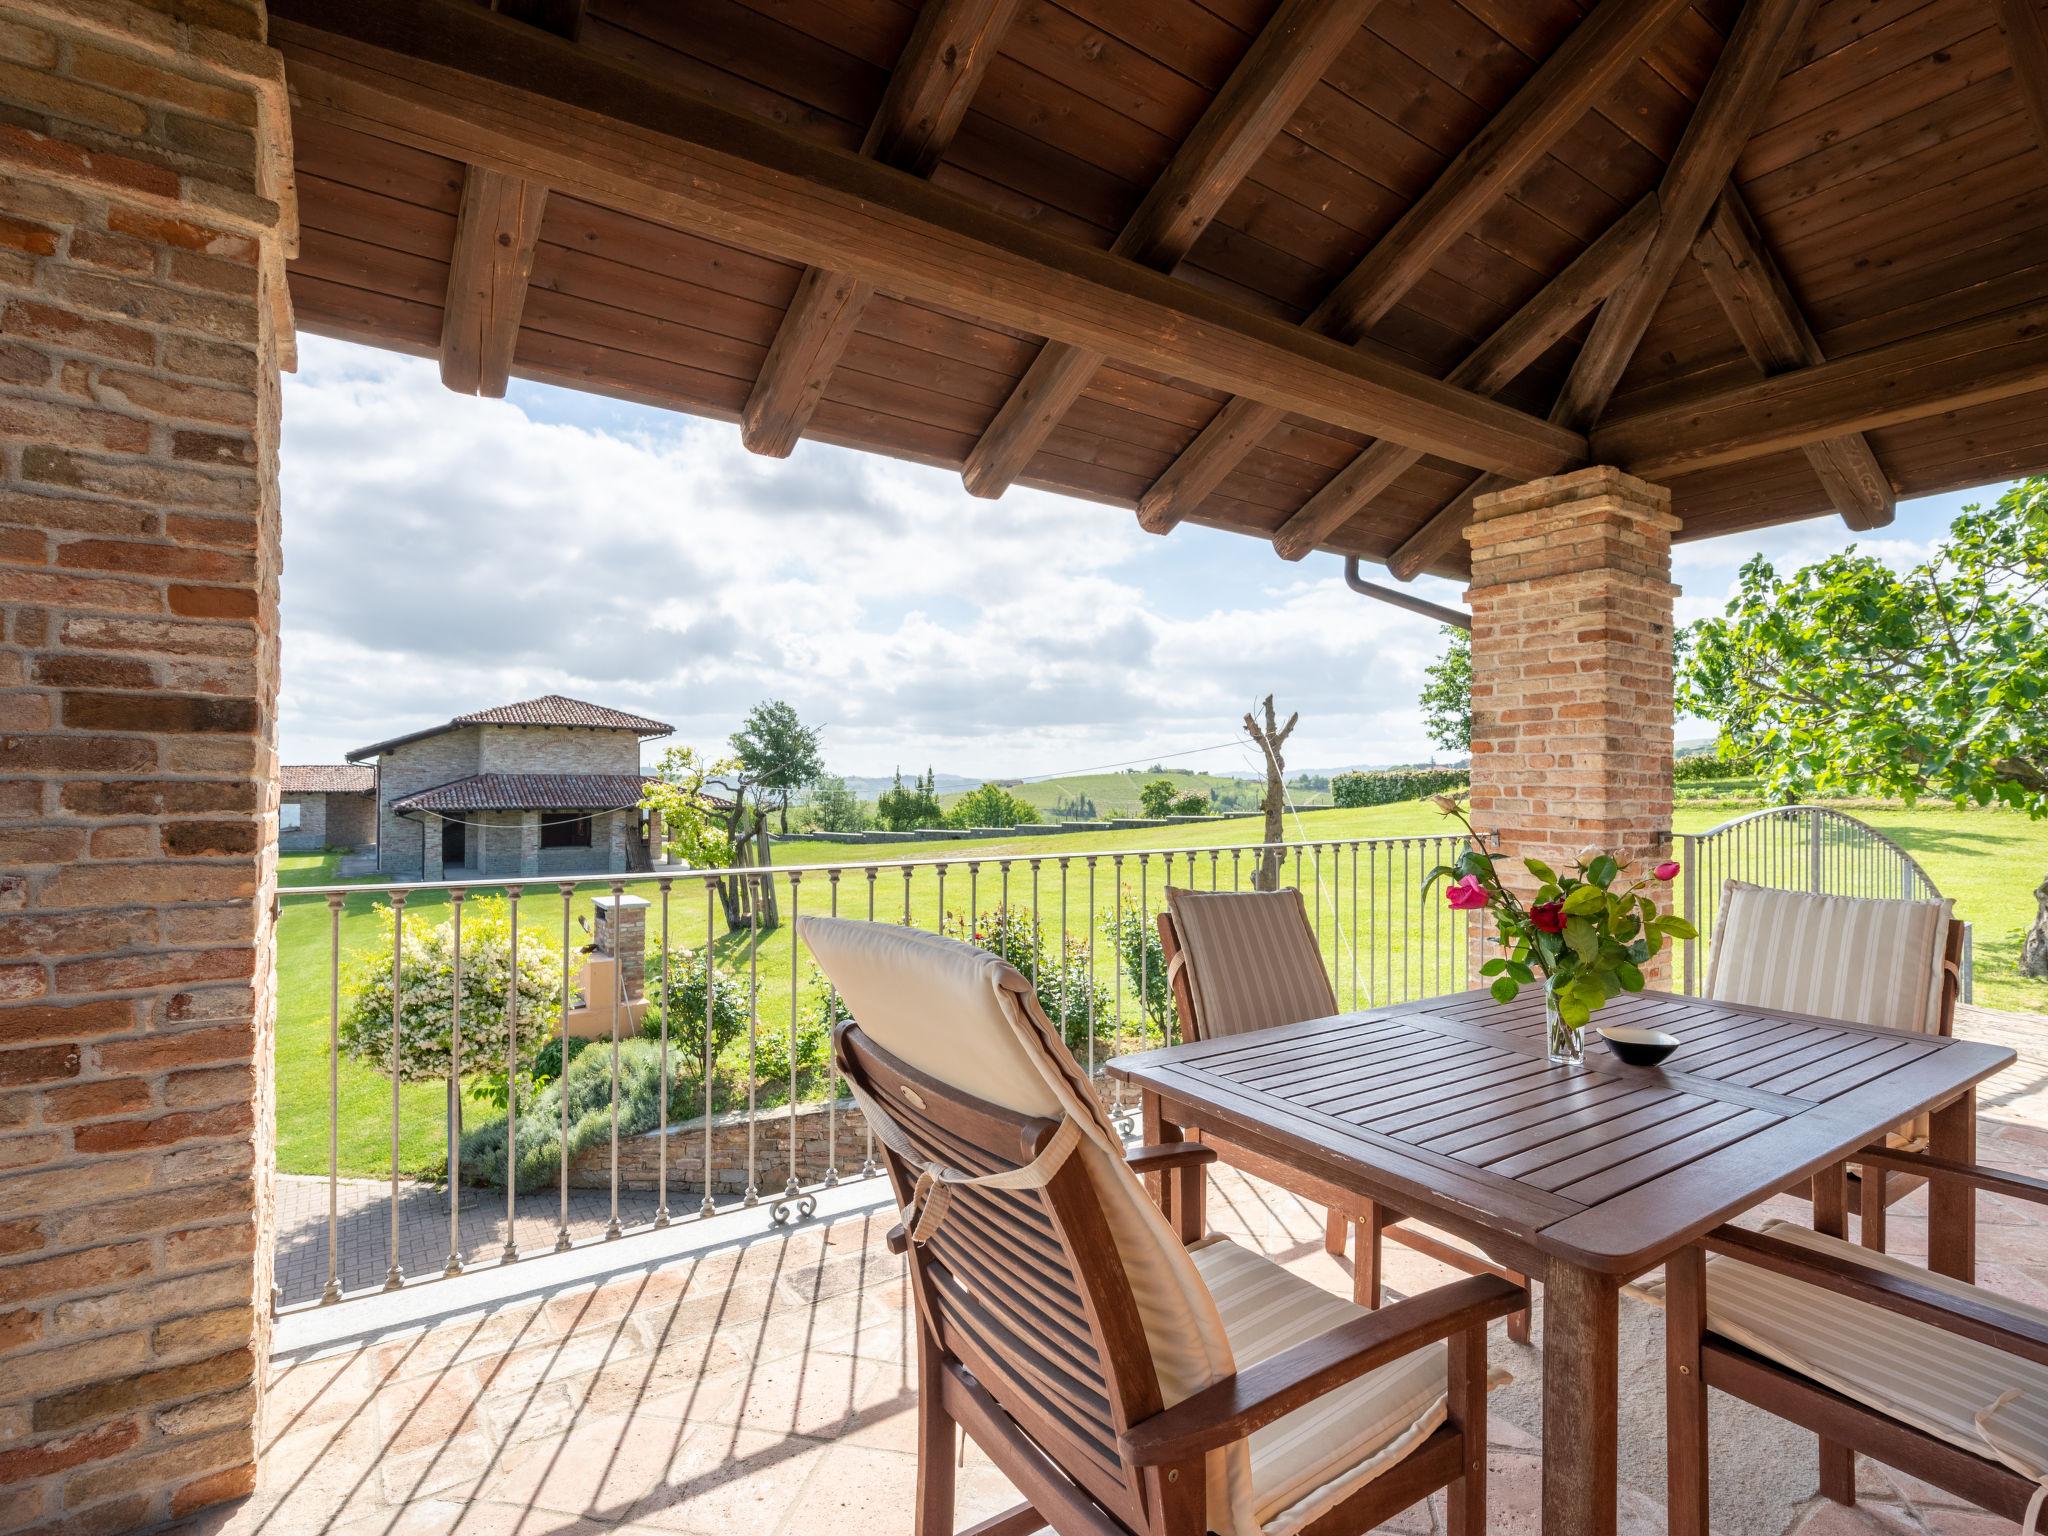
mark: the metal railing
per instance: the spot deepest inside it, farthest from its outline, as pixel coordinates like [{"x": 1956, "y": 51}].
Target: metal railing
[
  {"x": 1796, "y": 848},
  {"x": 1080, "y": 924}
]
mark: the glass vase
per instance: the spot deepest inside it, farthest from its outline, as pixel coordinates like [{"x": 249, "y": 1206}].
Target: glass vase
[{"x": 1567, "y": 1041}]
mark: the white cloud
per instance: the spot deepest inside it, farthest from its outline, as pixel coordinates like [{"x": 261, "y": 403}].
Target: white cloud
[{"x": 446, "y": 553}]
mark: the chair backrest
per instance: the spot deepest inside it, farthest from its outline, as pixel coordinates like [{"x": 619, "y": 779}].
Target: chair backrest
[
  {"x": 1074, "y": 1306},
  {"x": 1249, "y": 960},
  {"x": 1872, "y": 960}
]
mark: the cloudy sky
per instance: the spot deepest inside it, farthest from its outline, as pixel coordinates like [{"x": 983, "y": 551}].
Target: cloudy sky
[{"x": 444, "y": 553}]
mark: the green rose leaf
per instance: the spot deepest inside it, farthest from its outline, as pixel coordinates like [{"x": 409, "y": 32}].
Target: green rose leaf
[
  {"x": 1540, "y": 870},
  {"x": 1583, "y": 900},
  {"x": 1601, "y": 871},
  {"x": 1504, "y": 989}
]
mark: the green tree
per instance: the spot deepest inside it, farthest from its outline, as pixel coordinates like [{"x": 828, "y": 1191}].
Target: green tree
[
  {"x": 1447, "y": 694},
  {"x": 834, "y": 807},
  {"x": 1156, "y": 798},
  {"x": 991, "y": 806},
  {"x": 905, "y": 808},
  {"x": 697, "y": 827},
  {"x": 1850, "y": 676},
  {"x": 1193, "y": 803},
  {"x": 779, "y": 750}
]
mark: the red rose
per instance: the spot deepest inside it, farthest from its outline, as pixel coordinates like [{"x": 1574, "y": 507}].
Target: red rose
[{"x": 1548, "y": 916}]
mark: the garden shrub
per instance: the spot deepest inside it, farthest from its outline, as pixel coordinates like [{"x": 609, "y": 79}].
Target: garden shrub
[{"x": 1386, "y": 786}]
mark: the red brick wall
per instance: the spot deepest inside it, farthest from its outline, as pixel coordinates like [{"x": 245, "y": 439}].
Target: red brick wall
[
  {"x": 1571, "y": 666},
  {"x": 144, "y": 216}
]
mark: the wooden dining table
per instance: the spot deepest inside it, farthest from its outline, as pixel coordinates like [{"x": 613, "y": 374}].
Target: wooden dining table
[{"x": 1449, "y": 1112}]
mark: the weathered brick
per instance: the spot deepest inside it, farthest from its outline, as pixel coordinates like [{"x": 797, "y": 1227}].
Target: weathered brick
[
  {"x": 170, "y": 637},
  {"x": 40, "y": 845},
  {"x": 66, "y": 1021},
  {"x": 20, "y": 1235},
  {"x": 64, "y": 1410},
  {"x": 21, "y": 235},
  {"x": 69, "y": 1451},
  {"x": 37, "y": 1064},
  {"x": 123, "y": 843},
  {"x": 209, "y": 839},
  {"x": 185, "y": 235},
  {"x": 75, "y": 754},
  {"x": 175, "y": 399},
  {"x": 95, "y": 1101},
  {"x": 71, "y": 426},
  {"x": 165, "y": 485},
  {"x": 112, "y": 253},
  {"x": 71, "y": 514},
  {"x": 107, "y": 593},
  {"x": 150, "y": 1306},
  {"x": 183, "y": 1048},
  {"x": 140, "y": 558},
  {"x": 87, "y": 1270},
  {"x": 213, "y": 602},
  {"x": 122, "y": 973},
  {"x": 24, "y": 712},
  {"x": 213, "y": 1488},
  {"x": 19, "y": 1328},
  {"x": 93, "y": 672},
  {"x": 158, "y": 713},
  {"x": 156, "y": 797},
  {"x": 71, "y": 99},
  {"x": 149, "y": 80}
]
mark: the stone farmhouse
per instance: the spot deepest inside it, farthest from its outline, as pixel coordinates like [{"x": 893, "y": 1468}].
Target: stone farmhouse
[
  {"x": 548, "y": 786},
  {"x": 326, "y": 805}
]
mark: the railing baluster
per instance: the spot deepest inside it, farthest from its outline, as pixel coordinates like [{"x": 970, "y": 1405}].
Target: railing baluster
[
  {"x": 831, "y": 1175},
  {"x": 709, "y": 1207},
  {"x": 332, "y": 1291},
  {"x": 612, "y": 1228},
  {"x": 511, "y": 1253},
  {"x": 562, "y": 1241},
  {"x": 454, "y": 1265},
  {"x": 753, "y": 1194},
  {"x": 867, "y": 1168},
  {"x": 790, "y": 1185},
  {"x": 661, "y": 1216},
  {"x": 394, "y": 1277}
]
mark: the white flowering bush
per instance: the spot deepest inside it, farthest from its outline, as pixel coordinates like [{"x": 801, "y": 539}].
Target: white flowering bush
[{"x": 426, "y": 973}]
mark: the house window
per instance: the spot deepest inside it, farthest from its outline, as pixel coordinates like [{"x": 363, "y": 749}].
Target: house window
[
  {"x": 564, "y": 831},
  {"x": 288, "y": 816}
]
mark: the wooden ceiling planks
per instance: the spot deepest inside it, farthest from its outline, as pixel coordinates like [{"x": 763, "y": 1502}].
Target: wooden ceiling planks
[{"x": 1895, "y": 171}]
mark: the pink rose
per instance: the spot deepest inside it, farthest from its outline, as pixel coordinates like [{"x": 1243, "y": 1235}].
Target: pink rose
[
  {"x": 1668, "y": 870},
  {"x": 1466, "y": 895}
]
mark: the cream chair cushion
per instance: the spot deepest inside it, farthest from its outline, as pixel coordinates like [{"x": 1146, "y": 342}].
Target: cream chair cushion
[
  {"x": 1252, "y": 960},
  {"x": 1319, "y": 1455},
  {"x": 1865, "y": 959},
  {"x": 1941, "y": 1384},
  {"x": 970, "y": 1019}
]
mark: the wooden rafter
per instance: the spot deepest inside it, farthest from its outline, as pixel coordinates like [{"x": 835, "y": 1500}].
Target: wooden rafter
[
  {"x": 495, "y": 235},
  {"x": 1279, "y": 69},
  {"x": 564, "y": 18},
  {"x": 460, "y": 82},
  {"x": 2026, "y": 41},
  {"x": 1567, "y": 85},
  {"x": 1971, "y": 363},
  {"x": 1758, "y": 49},
  {"x": 929, "y": 92},
  {"x": 1533, "y": 329},
  {"x": 1753, "y": 294}
]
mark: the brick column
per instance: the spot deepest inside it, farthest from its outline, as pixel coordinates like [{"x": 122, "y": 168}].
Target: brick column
[
  {"x": 144, "y": 220},
  {"x": 1571, "y": 666}
]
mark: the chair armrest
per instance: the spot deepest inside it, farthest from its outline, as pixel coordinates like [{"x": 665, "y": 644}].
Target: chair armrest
[
  {"x": 898, "y": 1240},
  {"x": 2017, "y": 1186},
  {"x": 1983, "y": 1321},
  {"x": 1259, "y": 1394},
  {"x": 1164, "y": 1155}
]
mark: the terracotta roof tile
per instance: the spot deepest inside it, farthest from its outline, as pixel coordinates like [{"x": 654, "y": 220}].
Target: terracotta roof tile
[
  {"x": 555, "y": 709},
  {"x": 327, "y": 778},
  {"x": 529, "y": 792}
]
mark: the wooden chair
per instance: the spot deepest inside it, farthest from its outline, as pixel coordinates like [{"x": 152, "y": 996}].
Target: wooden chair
[
  {"x": 1125, "y": 1382},
  {"x": 1871, "y": 960},
  {"x": 1239, "y": 961},
  {"x": 1941, "y": 1379}
]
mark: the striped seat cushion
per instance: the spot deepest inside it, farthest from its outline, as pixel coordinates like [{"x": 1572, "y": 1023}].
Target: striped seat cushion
[
  {"x": 1949, "y": 1387},
  {"x": 1865, "y": 959},
  {"x": 1322, "y": 1453},
  {"x": 1252, "y": 960}
]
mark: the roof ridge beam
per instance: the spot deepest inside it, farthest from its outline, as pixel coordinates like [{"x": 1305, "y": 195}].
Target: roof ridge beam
[
  {"x": 464, "y": 83},
  {"x": 1256, "y": 103},
  {"x": 948, "y": 51},
  {"x": 1548, "y": 105},
  {"x": 1752, "y": 291},
  {"x": 1495, "y": 363}
]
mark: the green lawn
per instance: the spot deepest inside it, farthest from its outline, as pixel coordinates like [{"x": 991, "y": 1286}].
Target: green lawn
[
  {"x": 1116, "y": 794},
  {"x": 1988, "y": 861}
]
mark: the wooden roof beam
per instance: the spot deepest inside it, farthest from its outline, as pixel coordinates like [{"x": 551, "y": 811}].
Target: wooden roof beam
[
  {"x": 458, "y": 81},
  {"x": 1538, "y": 325},
  {"x": 929, "y": 91},
  {"x": 2026, "y": 41},
  {"x": 1758, "y": 48},
  {"x": 1753, "y": 293},
  {"x": 1950, "y": 369},
  {"x": 495, "y": 235},
  {"x": 1254, "y": 107},
  {"x": 1563, "y": 89}
]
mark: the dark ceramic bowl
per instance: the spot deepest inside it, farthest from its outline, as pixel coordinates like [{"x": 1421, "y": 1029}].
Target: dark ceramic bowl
[{"x": 1639, "y": 1047}]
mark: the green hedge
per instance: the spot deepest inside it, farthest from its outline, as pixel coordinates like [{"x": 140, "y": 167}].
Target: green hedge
[
  {"x": 1387, "y": 786},
  {"x": 1711, "y": 766}
]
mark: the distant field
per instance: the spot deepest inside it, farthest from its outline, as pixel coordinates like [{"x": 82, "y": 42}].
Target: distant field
[
  {"x": 1116, "y": 794},
  {"x": 1988, "y": 861}
]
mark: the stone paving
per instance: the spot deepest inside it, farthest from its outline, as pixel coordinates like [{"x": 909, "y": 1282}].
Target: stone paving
[{"x": 764, "y": 1387}]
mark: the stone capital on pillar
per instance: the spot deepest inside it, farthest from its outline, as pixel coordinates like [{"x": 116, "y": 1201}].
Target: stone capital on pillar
[{"x": 1571, "y": 601}]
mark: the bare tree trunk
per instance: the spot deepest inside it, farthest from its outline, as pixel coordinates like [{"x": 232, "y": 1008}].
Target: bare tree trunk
[
  {"x": 1271, "y": 736},
  {"x": 2034, "y": 947}
]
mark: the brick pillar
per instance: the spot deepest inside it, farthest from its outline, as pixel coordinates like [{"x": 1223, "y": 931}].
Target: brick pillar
[
  {"x": 144, "y": 220},
  {"x": 622, "y": 933},
  {"x": 1571, "y": 667}
]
